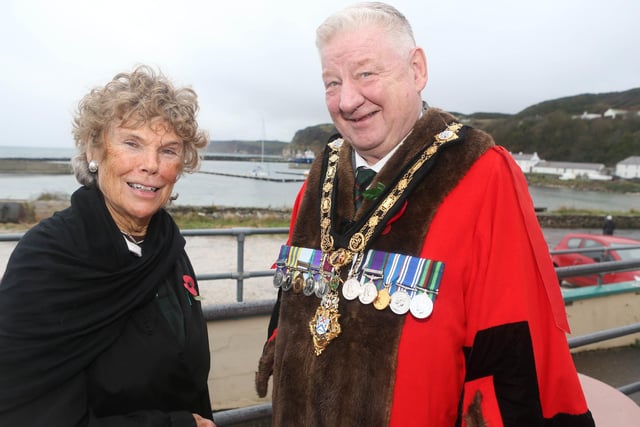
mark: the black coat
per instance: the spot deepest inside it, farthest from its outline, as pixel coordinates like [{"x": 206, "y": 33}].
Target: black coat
[{"x": 90, "y": 334}]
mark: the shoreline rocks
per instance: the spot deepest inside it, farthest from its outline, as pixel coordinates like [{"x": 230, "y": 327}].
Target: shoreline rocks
[
  {"x": 548, "y": 220},
  {"x": 23, "y": 211}
]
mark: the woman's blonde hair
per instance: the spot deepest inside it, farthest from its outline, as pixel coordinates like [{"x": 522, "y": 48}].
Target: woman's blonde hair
[{"x": 134, "y": 99}]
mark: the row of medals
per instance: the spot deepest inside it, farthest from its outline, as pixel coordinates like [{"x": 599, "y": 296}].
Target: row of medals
[{"x": 363, "y": 289}]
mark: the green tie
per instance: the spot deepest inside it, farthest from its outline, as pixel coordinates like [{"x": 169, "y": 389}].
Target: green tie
[{"x": 364, "y": 176}]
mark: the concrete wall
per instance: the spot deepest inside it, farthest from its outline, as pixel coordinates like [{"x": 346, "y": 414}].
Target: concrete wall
[
  {"x": 236, "y": 346},
  {"x": 595, "y": 308}
]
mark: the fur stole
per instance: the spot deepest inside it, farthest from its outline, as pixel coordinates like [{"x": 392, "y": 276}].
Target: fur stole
[{"x": 351, "y": 382}]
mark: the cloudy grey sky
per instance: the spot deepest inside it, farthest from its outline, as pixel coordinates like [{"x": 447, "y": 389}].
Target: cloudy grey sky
[{"x": 256, "y": 69}]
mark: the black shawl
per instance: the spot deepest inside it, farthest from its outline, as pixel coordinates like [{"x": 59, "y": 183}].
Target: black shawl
[{"x": 69, "y": 284}]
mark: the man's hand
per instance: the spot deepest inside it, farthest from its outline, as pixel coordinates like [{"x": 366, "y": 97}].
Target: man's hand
[{"x": 203, "y": 422}]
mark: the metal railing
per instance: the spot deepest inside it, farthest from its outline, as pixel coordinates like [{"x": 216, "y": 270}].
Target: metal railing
[
  {"x": 240, "y": 234},
  {"x": 597, "y": 267}
]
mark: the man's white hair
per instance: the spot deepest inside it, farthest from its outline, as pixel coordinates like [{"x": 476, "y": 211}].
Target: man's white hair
[{"x": 358, "y": 15}]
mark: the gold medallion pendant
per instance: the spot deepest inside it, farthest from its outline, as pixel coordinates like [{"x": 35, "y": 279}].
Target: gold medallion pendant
[{"x": 324, "y": 326}]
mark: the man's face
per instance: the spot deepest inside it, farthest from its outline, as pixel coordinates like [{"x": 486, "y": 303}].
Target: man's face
[{"x": 372, "y": 89}]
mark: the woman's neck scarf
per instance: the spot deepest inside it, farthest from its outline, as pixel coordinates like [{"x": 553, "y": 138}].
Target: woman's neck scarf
[{"x": 69, "y": 285}]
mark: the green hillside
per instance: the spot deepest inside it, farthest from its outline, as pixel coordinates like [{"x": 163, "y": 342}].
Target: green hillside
[{"x": 556, "y": 132}]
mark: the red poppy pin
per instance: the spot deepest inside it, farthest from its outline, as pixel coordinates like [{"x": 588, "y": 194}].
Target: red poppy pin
[{"x": 190, "y": 286}]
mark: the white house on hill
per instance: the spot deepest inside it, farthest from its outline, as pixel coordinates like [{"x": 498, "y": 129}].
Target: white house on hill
[
  {"x": 572, "y": 170},
  {"x": 628, "y": 168},
  {"x": 526, "y": 161},
  {"x": 588, "y": 116},
  {"x": 612, "y": 112}
]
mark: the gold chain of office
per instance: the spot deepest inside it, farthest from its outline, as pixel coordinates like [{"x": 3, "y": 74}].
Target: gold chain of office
[{"x": 358, "y": 241}]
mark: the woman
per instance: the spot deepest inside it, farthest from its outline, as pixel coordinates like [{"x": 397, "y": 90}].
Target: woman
[{"x": 100, "y": 322}]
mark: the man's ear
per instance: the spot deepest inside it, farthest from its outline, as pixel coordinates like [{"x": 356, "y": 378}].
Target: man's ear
[{"x": 419, "y": 65}]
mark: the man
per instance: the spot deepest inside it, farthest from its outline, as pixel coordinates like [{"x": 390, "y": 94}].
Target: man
[
  {"x": 434, "y": 303},
  {"x": 609, "y": 226}
]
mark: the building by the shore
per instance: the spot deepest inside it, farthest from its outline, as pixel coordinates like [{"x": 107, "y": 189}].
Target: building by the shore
[{"x": 628, "y": 168}]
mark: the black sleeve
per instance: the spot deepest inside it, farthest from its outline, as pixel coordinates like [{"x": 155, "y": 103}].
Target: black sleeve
[{"x": 67, "y": 406}]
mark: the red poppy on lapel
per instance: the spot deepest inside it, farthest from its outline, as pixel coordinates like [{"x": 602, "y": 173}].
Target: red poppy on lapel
[{"x": 393, "y": 219}]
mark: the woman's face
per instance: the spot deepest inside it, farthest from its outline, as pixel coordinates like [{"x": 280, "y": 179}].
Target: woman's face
[{"x": 137, "y": 171}]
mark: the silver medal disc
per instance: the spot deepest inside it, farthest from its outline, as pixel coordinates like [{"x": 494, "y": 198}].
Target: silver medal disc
[
  {"x": 287, "y": 284},
  {"x": 400, "y": 301},
  {"x": 278, "y": 278},
  {"x": 421, "y": 306},
  {"x": 322, "y": 287},
  {"x": 351, "y": 289},
  {"x": 309, "y": 286},
  {"x": 369, "y": 293}
]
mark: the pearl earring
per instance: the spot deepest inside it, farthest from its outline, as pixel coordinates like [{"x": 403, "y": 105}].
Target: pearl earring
[{"x": 93, "y": 166}]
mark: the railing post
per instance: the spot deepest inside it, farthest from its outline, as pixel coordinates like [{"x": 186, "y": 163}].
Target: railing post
[{"x": 240, "y": 263}]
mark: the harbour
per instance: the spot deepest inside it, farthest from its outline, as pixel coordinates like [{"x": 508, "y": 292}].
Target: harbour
[
  {"x": 257, "y": 182},
  {"x": 275, "y": 185}
]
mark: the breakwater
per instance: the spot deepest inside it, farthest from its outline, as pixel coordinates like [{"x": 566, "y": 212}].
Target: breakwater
[
  {"x": 547, "y": 220},
  {"x": 52, "y": 166},
  {"x": 16, "y": 211}
]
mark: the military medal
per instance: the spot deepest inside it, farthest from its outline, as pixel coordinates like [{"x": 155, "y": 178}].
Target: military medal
[
  {"x": 351, "y": 289},
  {"x": 400, "y": 301},
  {"x": 288, "y": 281},
  {"x": 421, "y": 305},
  {"x": 369, "y": 292},
  {"x": 406, "y": 284},
  {"x": 310, "y": 285},
  {"x": 322, "y": 286},
  {"x": 382, "y": 299},
  {"x": 278, "y": 278},
  {"x": 315, "y": 268},
  {"x": 298, "y": 282}
]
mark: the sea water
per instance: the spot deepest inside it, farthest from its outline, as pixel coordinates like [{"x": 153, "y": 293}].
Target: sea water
[
  {"x": 203, "y": 189},
  {"x": 197, "y": 189}
]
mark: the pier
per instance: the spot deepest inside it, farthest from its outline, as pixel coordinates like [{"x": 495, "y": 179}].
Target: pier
[{"x": 262, "y": 177}]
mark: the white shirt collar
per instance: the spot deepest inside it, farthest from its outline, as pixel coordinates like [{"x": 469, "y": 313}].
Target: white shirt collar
[{"x": 359, "y": 161}]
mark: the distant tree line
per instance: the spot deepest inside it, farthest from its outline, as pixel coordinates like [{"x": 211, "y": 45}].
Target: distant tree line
[{"x": 559, "y": 137}]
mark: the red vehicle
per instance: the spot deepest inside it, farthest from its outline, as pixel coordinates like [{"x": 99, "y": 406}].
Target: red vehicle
[{"x": 594, "y": 248}]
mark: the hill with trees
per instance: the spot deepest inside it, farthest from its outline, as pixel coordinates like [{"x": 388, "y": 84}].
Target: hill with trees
[{"x": 555, "y": 129}]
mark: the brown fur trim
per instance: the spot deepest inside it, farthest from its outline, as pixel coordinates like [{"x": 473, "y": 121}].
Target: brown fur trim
[
  {"x": 473, "y": 416},
  {"x": 351, "y": 382},
  {"x": 265, "y": 368}
]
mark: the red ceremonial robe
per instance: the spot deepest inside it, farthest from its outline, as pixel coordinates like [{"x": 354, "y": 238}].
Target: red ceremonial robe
[{"x": 494, "y": 350}]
